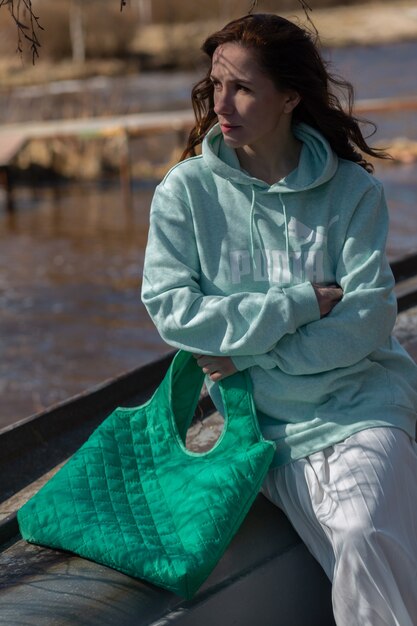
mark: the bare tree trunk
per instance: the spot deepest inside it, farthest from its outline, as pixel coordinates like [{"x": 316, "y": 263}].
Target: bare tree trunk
[
  {"x": 145, "y": 11},
  {"x": 77, "y": 31}
]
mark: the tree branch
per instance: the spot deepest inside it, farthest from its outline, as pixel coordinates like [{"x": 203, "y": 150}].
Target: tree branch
[{"x": 21, "y": 12}]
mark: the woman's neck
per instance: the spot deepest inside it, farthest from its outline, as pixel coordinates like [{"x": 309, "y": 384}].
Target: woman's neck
[{"x": 273, "y": 160}]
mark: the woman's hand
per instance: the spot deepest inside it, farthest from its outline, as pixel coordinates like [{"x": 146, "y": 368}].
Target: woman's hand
[
  {"x": 327, "y": 297},
  {"x": 217, "y": 367}
]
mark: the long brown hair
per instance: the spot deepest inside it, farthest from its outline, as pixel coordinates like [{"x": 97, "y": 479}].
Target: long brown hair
[{"x": 289, "y": 55}]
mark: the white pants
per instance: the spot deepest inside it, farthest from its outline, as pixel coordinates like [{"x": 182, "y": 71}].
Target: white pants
[{"x": 354, "y": 505}]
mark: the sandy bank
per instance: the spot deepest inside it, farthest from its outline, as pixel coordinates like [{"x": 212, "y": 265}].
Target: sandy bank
[{"x": 366, "y": 24}]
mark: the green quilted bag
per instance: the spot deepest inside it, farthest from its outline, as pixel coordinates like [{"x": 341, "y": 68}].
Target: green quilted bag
[{"x": 135, "y": 499}]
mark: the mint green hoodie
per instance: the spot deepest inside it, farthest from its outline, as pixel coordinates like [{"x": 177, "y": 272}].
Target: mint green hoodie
[{"x": 229, "y": 267}]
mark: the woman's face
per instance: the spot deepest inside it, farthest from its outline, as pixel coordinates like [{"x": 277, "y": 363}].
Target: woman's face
[{"x": 249, "y": 107}]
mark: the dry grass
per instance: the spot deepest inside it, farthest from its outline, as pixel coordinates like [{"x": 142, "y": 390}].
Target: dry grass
[{"x": 15, "y": 73}]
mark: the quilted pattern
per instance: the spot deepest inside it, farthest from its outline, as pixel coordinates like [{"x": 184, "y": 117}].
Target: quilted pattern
[{"x": 135, "y": 499}]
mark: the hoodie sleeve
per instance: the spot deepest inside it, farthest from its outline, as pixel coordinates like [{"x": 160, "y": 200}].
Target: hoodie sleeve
[
  {"x": 241, "y": 323},
  {"x": 363, "y": 320}
]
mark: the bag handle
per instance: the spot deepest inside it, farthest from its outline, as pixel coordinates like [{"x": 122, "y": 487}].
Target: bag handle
[
  {"x": 185, "y": 379},
  {"x": 240, "y": 416}
]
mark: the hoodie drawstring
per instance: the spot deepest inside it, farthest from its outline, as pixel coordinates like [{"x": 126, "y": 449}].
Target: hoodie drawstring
[
  {"x": 251, "y": 220},
  {"x": 287, "y": 244}
]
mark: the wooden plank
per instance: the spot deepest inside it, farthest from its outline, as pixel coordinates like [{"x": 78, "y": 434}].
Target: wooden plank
[
  {"x": 404, "y": 267},
  {"x": 386, "y": 105},
  {"x": 406, "y": 292},
  {"x": 36, "y": 444},
  {"x": 267, "y": 576},
  {"x": 100, "y": 127}
]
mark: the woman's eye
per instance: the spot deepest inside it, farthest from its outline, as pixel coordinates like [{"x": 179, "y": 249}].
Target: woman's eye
[{"x": 242, "y": 88}]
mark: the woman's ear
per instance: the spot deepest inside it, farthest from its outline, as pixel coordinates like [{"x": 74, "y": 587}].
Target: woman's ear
[{"x": 292, "y": 99}]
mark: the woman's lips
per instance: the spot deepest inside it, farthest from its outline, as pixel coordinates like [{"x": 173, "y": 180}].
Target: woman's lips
[{"x": 228, "y": 128}]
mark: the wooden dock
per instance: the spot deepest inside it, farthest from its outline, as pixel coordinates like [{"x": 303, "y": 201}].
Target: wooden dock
[
  {"x": 385, "y": 105},
  {"x": 134, "y": 124},
  {"x": 14, "y": 137}
]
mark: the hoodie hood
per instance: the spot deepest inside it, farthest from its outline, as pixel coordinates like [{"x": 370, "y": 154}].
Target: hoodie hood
[{"x": 317, "y": 165}]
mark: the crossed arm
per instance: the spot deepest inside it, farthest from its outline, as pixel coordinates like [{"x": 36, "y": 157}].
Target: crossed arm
[
  {"x": 218, "y": 367},
  {"x": 301, "y": 329}
]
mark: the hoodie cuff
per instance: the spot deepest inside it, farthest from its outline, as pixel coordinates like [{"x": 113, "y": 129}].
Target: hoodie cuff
[
  {"x": 242, "y": 362},
  {"x": 305, "y": 306},
  {"x": 262, "y": 360}
]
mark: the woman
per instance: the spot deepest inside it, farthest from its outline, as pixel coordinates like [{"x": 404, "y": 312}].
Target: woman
[{"x": 266, "y": 253}]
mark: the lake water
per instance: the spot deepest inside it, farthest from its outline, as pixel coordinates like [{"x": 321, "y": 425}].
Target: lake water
[{"x": 71, "y": 256}]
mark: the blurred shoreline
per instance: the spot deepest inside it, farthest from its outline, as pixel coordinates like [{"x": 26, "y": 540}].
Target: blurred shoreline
[
  {"x": 176, "y": 46},
  {"x": 382, "y": 72}
]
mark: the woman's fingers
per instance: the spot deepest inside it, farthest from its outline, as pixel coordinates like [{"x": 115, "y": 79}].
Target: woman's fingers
[
  {"x": 327, "y": 297},
  {"x": 217, "y": 367}
]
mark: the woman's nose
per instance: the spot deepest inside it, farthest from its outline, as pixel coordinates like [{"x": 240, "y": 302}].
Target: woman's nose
[{"x": 223, "y": 103}]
